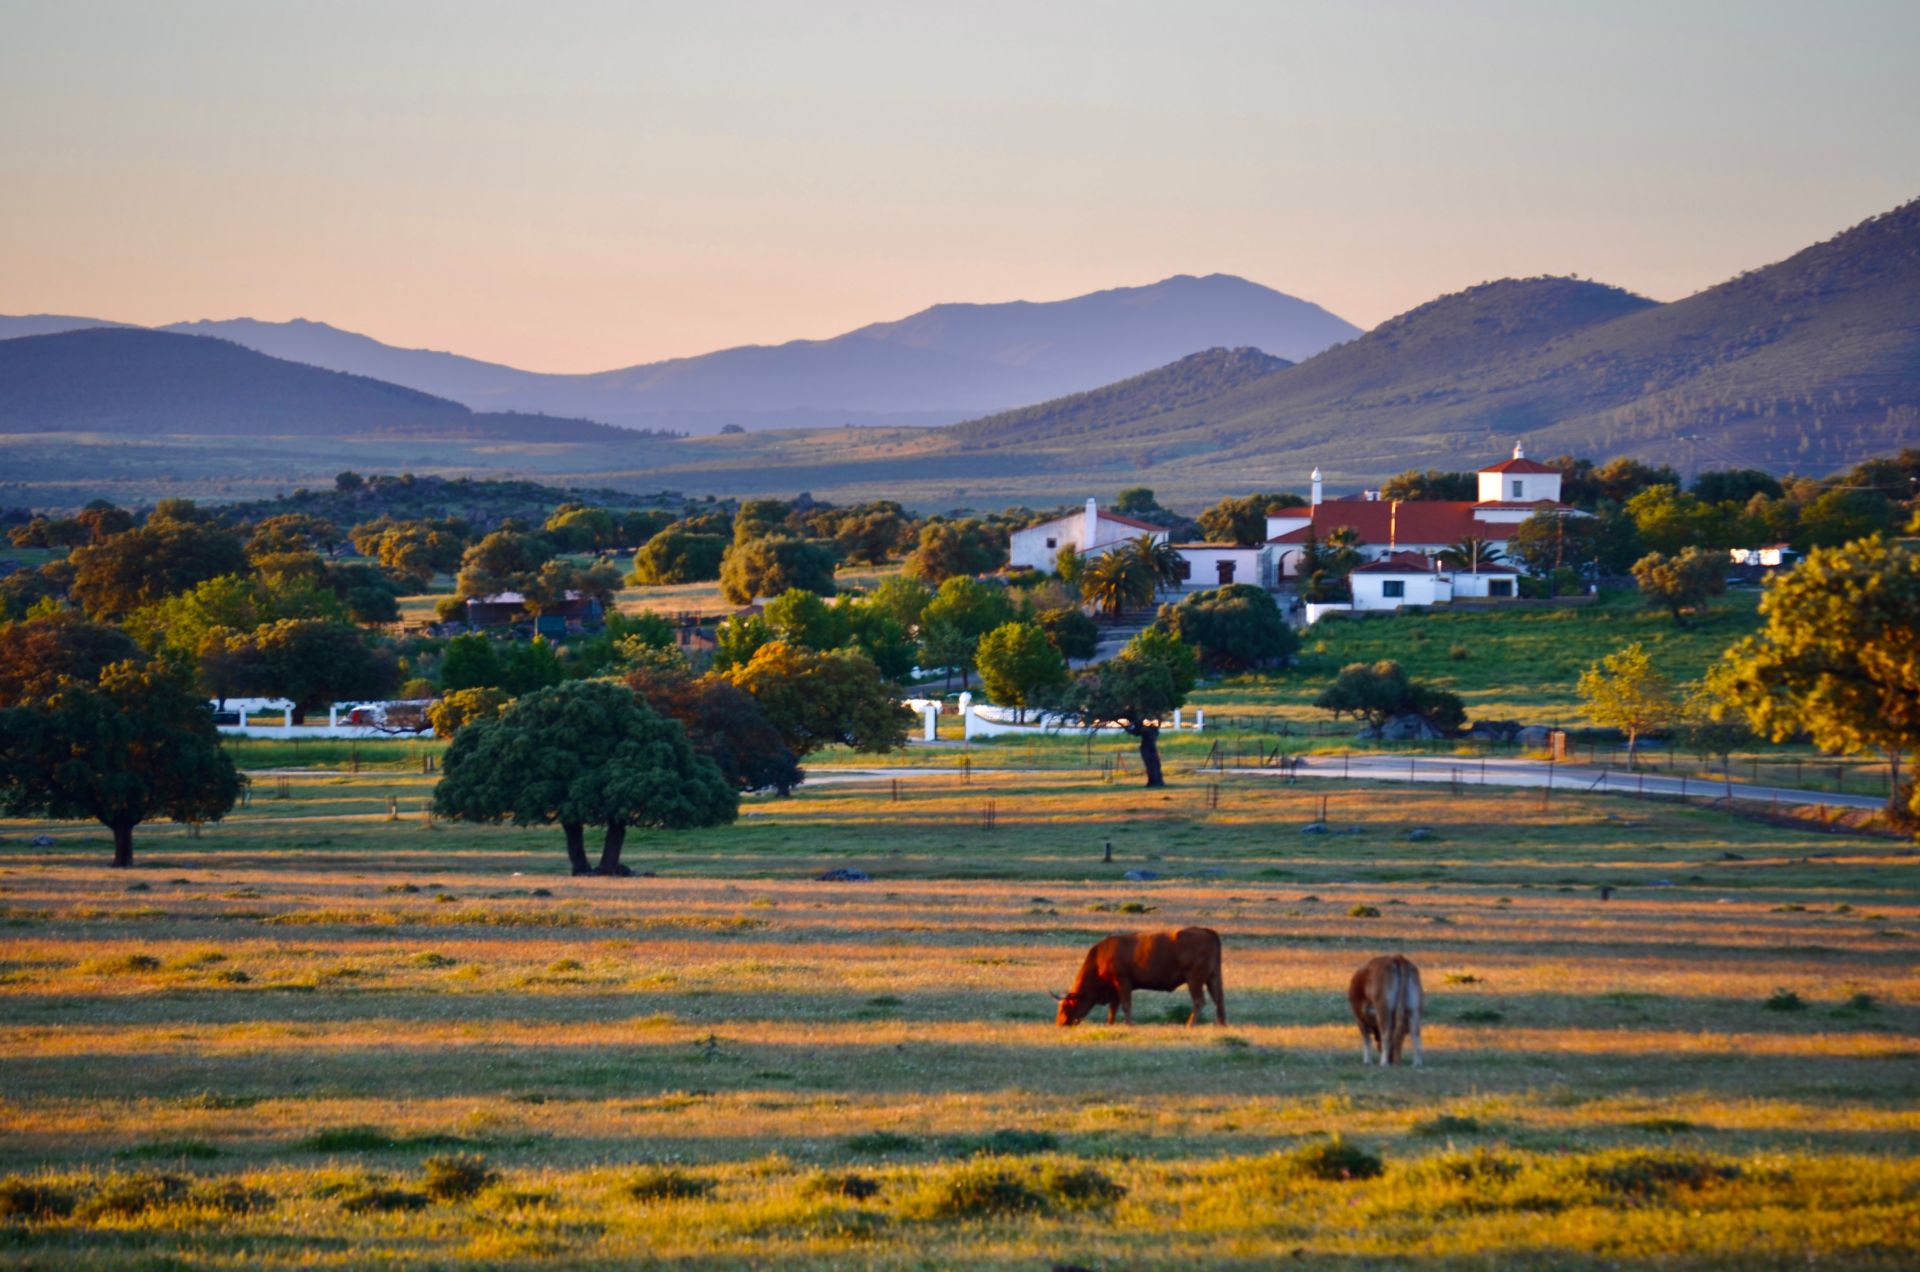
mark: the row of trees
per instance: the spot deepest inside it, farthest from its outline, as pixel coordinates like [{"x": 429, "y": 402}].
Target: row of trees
[{"x": 1837, "y": 661}]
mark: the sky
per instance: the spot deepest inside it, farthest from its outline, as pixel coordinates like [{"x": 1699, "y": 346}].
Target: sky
[{"x": 576, "y": 185}]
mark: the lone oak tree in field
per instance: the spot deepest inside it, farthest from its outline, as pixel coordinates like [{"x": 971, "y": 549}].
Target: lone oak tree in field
[
  {"x": 136, "y": 745},
  {"x": 1626, "y": 691},
  {"x": 1839, "y": 658},
  {"x": 1136, "y": 690},
  {"x": 584, "y": 753},
  {"x": 1377, "y": 692}
]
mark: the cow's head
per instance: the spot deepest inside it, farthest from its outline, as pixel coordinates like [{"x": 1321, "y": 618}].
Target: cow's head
[{"x": 1073, "y": 1009}]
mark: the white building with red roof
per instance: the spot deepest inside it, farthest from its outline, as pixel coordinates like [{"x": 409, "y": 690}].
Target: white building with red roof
[
  {"x": 1510, "y": 492},
  {"x": 1094, "y": 532}
]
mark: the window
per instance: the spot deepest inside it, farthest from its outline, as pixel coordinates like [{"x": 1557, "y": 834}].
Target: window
[
  {"x": 1518, "y": 487},
  {"x": 1186, "y": 569},
  {"x": 1499, "y": 587},
  {"x": 1053, "y": 543},
  {"x": 1225, "y": 570},
  {"x": 1393, "y": 589}
]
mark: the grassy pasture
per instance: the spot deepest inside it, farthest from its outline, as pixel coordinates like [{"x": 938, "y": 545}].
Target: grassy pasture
[{"x": 314, "y": 1035}]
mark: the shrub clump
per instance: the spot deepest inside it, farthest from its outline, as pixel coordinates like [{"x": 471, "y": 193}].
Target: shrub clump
[
  {"x": 379, "y": 1199},
  {"x": 1365, "y": 912},
  {"x": 850, "y": 1184},
  {"x": 348, "y": 1139},
  {"x": 121, "y": 965},
  {"x": 1448, "y": 1124},
  {"x": 123, "y": 1196},
  {"x": 1640, "y": 1173},
  {"x": 32, "y": 1199},
  {"x": 667, "y": 1183},
  {"x": 457, "y": 1176},
  {"x": 171, "y": 1150},
  {"x": 1477, "y": 1167},
  {"x": 1784, "y": 1000},
  {"x": 1333, "y": 1159},
  {"x": 978, "y": 1190}
]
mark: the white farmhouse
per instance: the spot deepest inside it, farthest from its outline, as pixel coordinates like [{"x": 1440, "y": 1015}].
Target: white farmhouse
[
  {"x": 1094, "y": 532},
  {"x": 1510, "y": 492}
]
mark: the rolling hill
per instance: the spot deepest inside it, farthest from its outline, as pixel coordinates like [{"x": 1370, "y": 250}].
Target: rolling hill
[
  {"x": 127, "y": 380},
  {"x": 940, "y": 365},
  {"x": 1813, "y": 362}
]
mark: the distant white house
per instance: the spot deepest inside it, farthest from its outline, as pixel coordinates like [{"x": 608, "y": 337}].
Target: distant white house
[
  {"x": 1770, "y": 557},
  {"x": 1094, "y": 532},
  {"x": 1210, "y": 565},
  {"x": 1407, "y": 578}
]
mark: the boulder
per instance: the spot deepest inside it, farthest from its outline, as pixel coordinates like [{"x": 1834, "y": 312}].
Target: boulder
[
  {"x": 1534, "y": 735},
  {"x": 1408, "y": 728},
  {"x": 844, "y": 875},
  {"x": 1141, "y": 876}
]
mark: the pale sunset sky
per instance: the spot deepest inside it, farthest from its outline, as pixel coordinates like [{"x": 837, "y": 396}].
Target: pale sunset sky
[{"x": 575, "y": 186}]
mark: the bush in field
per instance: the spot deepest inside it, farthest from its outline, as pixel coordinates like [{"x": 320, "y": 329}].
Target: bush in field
[
  {"x": 35, "y": 1199},
  {"x": 1332, "y": 1159},
  {"x": 457, "y": 1176},
  {"x": 667, "y": 1183}
]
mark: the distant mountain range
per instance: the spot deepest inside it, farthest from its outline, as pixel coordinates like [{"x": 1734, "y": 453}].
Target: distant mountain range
[
  {"x": 128, "y": 380},
  {"x": 1810, "y": 363},
  {"x": 942, "y": 364}
]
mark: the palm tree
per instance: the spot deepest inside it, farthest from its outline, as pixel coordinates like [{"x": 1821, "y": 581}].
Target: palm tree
[
  {"x": 1158, "y": 561},
  {"x": 1471, "y": 553},
  {"x": 1114, "y": 581}
]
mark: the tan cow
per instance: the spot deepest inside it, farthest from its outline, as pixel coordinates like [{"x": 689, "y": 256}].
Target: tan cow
[
  {"x": 1386, "y": 999},
  {"x": 1146, "y": 960}
]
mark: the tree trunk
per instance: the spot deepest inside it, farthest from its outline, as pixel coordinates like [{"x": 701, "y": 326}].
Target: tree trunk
[
  {"x": 1899, "y": 812},
  {"x": 577, "y": 846},
  {"x": 1149, "y": 735},
  {"x": 299, "y": 715},
  {"x": 610, "y": 851},
  {"x": 1633, "y": 737},
  {"x": 122, "y": 844}
]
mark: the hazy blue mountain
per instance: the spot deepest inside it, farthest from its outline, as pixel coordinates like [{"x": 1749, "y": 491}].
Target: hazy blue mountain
[
  {"x": 943, "y": 364},
  {"x": 129, "y": 380},
  {"x": 1809, "y": 363},
  {"x": 46, "y": 324}
]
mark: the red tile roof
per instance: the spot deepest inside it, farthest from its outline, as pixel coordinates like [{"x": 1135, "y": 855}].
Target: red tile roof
[
  {"x": 1519, "y": 466},
  {"x": 1385, "y": 522},
  {"x": 1130, "y": 521},
  {"x": 1397, "y": 563}
]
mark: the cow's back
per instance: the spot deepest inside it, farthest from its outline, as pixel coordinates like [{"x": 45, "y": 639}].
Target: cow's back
[{"x": 1168, "y": 960}]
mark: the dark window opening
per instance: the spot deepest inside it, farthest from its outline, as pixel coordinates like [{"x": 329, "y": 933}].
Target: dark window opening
[{"x": 1393, "y": 588}]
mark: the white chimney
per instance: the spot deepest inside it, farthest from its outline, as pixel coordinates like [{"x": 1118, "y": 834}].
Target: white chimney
[
  {"x": 1519, "y": 450},
  {"x": 1090, "y": 534},
  {"x": 1316, "y": 486}
]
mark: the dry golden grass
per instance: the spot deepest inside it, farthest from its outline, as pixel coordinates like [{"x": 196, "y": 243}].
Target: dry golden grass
[{"x": 249, "y": 1049}]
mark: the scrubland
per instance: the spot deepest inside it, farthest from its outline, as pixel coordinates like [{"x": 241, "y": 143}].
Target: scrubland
[{"x": 315, "y": 1035}]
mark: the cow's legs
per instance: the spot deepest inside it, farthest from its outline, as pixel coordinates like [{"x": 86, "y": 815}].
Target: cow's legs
[
  {"x": 1219, "y": 999},
  {"x": 1126, "y": 1001},
  {"x": 1113, "y": 1010},
  {"x": 1199, "y": 994},
  {"x": 1416, "y": 1034}
]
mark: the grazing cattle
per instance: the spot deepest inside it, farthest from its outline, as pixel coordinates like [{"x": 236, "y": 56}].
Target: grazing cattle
[
  {"x": 1146, "y": 960},
  {"x": 1386, "y": 999}
]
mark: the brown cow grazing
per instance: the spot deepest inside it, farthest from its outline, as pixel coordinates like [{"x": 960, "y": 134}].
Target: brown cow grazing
[
  {"x": 1147, "y": 960},
  {"x": 1386, "y": 999}
]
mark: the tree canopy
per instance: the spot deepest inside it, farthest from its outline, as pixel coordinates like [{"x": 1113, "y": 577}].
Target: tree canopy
[
  {"x": 1137, "y": 690},
  {"x": 951, "y": 549},
  {"x": 724, "y": 723},
  {"x": 1233, "y": 628},
  {"x": 1838, "y": 656},
  {"x": 1626, "y": 691},
  {"x": 1683, "y": 583},
  {"x": 589, "y": 752},
  {"x": 1019, "y": 667},
  {"x": 136, "y": 745},
  {"x": 771, "y": 564},
  {"x": 1377, "y": 692},
  {"x": 819, "y": 698},
  {"x": 678, "y": 555}
]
